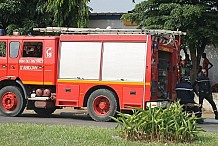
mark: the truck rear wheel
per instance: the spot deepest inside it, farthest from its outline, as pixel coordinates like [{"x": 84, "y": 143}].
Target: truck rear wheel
[
  {"x": 101, "y": 105},
  {"x": 12, "y": 103},
  {"x": 44, "y": 112}
]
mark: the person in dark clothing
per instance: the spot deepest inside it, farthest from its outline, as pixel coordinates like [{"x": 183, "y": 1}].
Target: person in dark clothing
[
  {"x": 204, "y": 91},
  {"x": 186, "y": 96}
]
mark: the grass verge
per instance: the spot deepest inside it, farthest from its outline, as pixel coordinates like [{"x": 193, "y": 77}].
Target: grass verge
[{"x": 56, "y": 135}]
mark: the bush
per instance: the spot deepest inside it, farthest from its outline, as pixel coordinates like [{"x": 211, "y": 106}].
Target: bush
[{"x": 157, "y": 124}]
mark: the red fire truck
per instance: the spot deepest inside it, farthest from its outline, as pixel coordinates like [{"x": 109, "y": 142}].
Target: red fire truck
[{"x": 105, "y": 70}]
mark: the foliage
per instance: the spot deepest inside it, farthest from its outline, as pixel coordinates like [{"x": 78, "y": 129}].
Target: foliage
[
  {"x": 67, "y": 13},
  {"x": 2, "y": 49},
  {"x": 157, "y": 124},
  {"x": 23, "y": 15},
  {"x": 18, "y": 14},
  {"x": 197, "y": 18}
]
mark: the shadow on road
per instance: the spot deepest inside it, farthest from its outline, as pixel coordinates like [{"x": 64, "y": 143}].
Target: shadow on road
[{"x": 64, "y": 115}]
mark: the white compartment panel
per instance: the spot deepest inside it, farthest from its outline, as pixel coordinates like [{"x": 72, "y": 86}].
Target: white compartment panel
[
  {"x": 80, "y": 60},
  {"x": 124, "y": 61}
]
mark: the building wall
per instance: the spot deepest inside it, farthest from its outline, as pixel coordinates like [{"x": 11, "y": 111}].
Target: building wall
[{"x": 114, "y": 24}]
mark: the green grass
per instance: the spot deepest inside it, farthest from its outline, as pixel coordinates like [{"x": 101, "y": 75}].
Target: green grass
[{"x": 57, "y": 135}]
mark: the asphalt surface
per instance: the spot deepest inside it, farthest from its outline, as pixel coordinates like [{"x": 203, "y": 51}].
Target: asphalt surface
[
  {"x": 60, "y": 117},
  {"x": 81, "y": 118}
]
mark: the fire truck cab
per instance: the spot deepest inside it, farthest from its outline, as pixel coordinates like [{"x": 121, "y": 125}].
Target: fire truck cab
[{"x": 103, "y": 70}]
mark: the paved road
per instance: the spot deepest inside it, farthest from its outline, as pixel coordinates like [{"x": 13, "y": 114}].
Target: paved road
[{"x": 77, "y": 118}]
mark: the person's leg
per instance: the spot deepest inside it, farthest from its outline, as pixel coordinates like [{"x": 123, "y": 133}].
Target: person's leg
[
  {"x": 209, "y": 98},
  {"x": 197, "y": 113},
  {"x": 201, "y": 99}
]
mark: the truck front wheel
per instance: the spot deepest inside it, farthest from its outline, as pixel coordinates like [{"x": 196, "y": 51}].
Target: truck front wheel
[
  {"x": 12, "y": 103},
  {"x": 101, "y": 105}
]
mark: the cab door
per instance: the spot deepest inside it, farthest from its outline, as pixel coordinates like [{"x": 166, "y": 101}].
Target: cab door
[
  {"x": 3, "y": 58},
  {"x": 31, "y": 63},
  {"x": 13, "y": 57}
]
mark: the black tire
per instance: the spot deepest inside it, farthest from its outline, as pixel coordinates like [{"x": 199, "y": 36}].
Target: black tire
[
  {"x": 109, "y": 105},
  {"x": 12, "y": 103}
]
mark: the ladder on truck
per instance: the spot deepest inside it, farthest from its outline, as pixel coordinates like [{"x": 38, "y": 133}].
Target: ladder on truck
[
  {"x": 69, "y": 30},
  {"x": 164, "y": 36}
]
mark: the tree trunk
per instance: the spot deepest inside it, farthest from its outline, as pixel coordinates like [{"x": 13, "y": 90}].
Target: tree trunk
[
  {"x": 196, "y": 52},
  {"x": 195, "y": 64}
]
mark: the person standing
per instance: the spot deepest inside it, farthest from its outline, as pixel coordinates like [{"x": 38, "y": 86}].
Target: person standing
[
  {"x": 206, "y": 63},
  {"x": 204, "y": 91}
]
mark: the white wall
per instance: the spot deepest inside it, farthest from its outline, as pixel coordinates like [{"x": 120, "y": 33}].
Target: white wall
[{"x": 105, "y": 23}]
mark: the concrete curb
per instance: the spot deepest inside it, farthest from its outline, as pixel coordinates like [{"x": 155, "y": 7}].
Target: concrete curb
[{"x": 210, "y": 121}]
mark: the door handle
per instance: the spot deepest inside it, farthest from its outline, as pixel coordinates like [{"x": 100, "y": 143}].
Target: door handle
[
  {"x": 40, "y": 67},
  {"x": 4, "y": 66}
]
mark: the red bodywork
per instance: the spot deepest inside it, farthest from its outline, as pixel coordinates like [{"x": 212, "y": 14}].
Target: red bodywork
[
  {"x": 44, "y": 70},
  {"x": 30, "y": 70},
  {"x": 123, "y": 90}
]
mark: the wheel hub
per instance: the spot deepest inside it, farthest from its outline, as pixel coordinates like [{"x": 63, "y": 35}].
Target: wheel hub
[
  {"x": 9, "y": 101},
  {"x": 101, "y": 105}
]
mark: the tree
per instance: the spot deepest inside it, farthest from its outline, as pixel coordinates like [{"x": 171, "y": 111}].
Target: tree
[
  {"x": 23, "y": 15},
  {"x": 19, "y": 15},
  {"x": 196, "y": 17},
  {"x": 67, "y": 12}
]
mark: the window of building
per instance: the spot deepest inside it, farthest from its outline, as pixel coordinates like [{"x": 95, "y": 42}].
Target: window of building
[
  {"x": 2, "y": 49},
  {"x": 14, "y": 49},
  {"x": 32, "y": 49}
]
